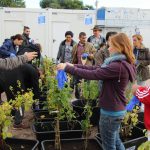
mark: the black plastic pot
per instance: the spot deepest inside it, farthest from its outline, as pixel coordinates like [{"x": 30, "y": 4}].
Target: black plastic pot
[
  {"x": 44, "y": 116},
  {"x": 72, "y": 144},
  {"x": 141, "y": 125},
  {"x": 45, "y": 130},
  {"x": 39, "y": 107},
  {"x": 22, "y": 144},
  {"x": 141, "y": 116},
  {"x": 78, "y": 107},
  {"x": 43, "y": 97},
  {"x": 131, "y": 142}
]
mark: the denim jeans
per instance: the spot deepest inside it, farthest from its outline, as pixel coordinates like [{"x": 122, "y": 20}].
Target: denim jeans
[{"x": 109, "y": 130}]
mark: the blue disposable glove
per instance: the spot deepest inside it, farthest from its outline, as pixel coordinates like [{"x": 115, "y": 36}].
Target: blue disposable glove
[
  {"x": 61, "y": 78},
  {"x": 137, "y": 62},
  {"x": 134, "y": 101},
  {"x": 12, "y": 55},
  {"x": 84, "y": 55}
]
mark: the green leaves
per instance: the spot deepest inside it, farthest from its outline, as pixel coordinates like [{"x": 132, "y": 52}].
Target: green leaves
[
  {"x": 5, "y": 119},
  {"x": 89, "y": 89},
  {"x": 89, "y": 92},
  {"x": 144, "y": 146},
  {"x": 130, "y": 120},
  {"x": 25, "y": 99},
  {"x": 12, "y": 3},
  {"x": 64, "y": 4},
  {"x": 59, "y": 99}
]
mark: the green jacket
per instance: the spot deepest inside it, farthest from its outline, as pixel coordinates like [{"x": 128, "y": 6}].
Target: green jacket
[
  {"x": 89, "y": 48},
  {"x": 142, "y": 63},
  {"x": 101, "y": 55}
]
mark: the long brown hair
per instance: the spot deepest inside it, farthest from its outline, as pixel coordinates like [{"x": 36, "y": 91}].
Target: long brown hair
[{"x": 123, "y": 45}]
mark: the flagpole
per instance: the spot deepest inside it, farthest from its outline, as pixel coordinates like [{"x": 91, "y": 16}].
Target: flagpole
[{"x": 96, "y": 5}]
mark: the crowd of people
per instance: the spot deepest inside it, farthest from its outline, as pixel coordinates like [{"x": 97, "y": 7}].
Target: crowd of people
[
  {"x": 16, "y": 55},
  {"x": 114, "y": 61}
]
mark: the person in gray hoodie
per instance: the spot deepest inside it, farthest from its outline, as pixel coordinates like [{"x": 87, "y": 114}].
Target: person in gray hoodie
[
  {"x": 14, "y": 62},
  {"x": 11, "y": 63},
  {"x": 115, "y": 72}
]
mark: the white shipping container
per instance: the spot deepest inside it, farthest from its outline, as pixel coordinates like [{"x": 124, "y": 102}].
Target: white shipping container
[{"x": 48, "y": 26}]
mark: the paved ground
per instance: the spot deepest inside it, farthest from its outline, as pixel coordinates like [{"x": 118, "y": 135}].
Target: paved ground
[{"x": 25, "y": 133}]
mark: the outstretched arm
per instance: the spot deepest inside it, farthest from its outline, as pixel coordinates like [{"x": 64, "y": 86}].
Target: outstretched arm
[
  {"x": 143, "y": 94},
  {"x": 10, "y": 63}
]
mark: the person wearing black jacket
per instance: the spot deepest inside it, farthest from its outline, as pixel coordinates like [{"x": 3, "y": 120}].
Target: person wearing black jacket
[{"x": 65, "y": 48}]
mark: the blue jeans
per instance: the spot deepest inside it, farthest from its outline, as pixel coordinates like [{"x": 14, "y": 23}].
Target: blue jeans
[{"x": 109, "y": 130}]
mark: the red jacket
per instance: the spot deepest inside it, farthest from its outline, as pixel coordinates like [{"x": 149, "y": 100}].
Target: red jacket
[{"x": 143, "y": 94}]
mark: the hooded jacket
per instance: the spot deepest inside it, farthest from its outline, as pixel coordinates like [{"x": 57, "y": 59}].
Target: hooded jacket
[
  {"x": 8, "y": 64},
  {"x": 115, "y": 80},
  {"x": 7, "y": 48},
  {"x": 25, "y": 40},
  {"x": 143, "y": 94},
  {"x": 142, "y": 61},
  {"x": 61, "y": 52},
  {"x": 11, "y": 63},
  {"x": 88, "y": 48}
]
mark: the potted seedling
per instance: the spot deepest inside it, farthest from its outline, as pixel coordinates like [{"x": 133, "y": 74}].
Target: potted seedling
[
  {"x": 5, "y": 123},
  {"x": 131, "y": 118},
  {"x": 89, "y": 92},
  {"x": 66, "y": 112},
  {"x": 59, "y": 106},
  {"x": 47, "y": 70},
  {"x": 6, "y": 120}
]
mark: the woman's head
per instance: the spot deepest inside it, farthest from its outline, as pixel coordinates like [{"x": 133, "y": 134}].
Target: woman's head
[
  {"x": 69, "y": 36},
  {"x": 120, "y": 43},
  {"x": 17, "y": 39},
  {"x": 137, "y": 41}
]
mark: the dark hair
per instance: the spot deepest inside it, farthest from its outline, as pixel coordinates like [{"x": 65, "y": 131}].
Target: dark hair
[
  {"x": 25, "y": 27},
  {"x": 110, "y": 34},
  {"x": 102, "y": 44},
  {"x": 82, "y": 34},
  {"x": 69, "y": 33},
  {"x": 38, "y": 45},
  {"x": 17, "y": 36}
]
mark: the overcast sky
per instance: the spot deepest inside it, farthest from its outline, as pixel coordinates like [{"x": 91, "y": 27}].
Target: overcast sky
[{"x": 107, "y": 3}]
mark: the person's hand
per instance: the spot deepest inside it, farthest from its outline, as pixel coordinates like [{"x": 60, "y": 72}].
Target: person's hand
[
  {"x": 61, "y": 66},
  {"x": 12, "y": 55},
  {"x": 31, "y": 55},
  {"x": 69, "y": 64},
  {"x": 85, "y": 55},
  {"x": 134, "y": 88},
  {"x": 91, "y": 56}
]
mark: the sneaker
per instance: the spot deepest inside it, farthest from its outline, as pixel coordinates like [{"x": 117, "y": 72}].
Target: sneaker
[{"x": 20, "y": 126}]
